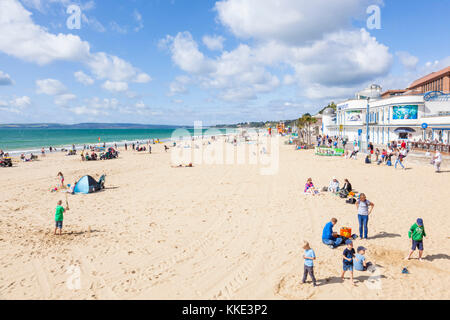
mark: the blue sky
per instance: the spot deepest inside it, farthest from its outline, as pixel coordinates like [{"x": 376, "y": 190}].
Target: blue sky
[{"x": 227, "y": 61}]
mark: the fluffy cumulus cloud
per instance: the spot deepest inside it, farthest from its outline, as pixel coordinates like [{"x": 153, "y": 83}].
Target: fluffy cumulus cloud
[
  {"x": 236, "y": 75},
  {"x": 50, "y": 87},
  {"x": 55, "y": 88},
  {"x": 15, "y": 105},
  {"x": 83, "y": 78},
  {"x": 96, "y": 106},
  {"x": 5, "y": 79},
  {"x": 63, "y": 100},
  {"x": 407, "y": 60},
  {"x": 23, "y": 39},
  {"x": 115, "y": 86},
  {"x": 292, "y": 21},
  {"x": 288, "y": 36},
  {"x": 213, "y": 42},
  {"x": 179, "y": 86}
]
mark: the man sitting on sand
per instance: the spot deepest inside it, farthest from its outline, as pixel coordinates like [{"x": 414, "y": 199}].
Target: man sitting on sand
[{"x": 330, "y": 238}]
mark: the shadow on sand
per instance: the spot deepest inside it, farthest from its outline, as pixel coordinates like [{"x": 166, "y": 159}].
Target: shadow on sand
[{"x": 382, "y": 235}]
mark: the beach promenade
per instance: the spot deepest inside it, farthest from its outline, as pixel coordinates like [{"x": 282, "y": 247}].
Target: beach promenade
[{"x": 216, "y": 231}]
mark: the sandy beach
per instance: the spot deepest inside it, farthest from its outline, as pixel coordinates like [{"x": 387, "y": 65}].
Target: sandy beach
[{"x": 216, "y": 231}]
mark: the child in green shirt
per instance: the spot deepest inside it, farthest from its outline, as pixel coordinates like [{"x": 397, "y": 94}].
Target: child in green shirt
[
  {"x": 59, "y": 216},
  {"x": 417, "y": 233}
]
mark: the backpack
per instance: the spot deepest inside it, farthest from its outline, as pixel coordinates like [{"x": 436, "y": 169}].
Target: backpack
[{"x": 389, "y": 163}]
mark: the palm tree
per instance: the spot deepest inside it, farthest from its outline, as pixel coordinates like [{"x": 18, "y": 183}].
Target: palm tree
[{"x": 305, "y": 123}]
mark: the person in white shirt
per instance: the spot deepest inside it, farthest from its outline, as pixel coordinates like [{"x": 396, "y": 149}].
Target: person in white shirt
[
  {"x": 355, "y": 152},
  {"x": 437, "y": 161},
  {"x": 334, "y": 185}
]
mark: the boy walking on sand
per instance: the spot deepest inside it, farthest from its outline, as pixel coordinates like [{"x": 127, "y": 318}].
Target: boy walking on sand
[
  {"x": 59, "y": 216},
  {"x": 309, "y": 257},
  {"x": 349, "y": 254},
  {"x": 416, "y": 233}
]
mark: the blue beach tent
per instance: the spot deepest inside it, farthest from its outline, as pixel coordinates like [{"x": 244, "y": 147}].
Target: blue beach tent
[{"x": 86, "y": 185}]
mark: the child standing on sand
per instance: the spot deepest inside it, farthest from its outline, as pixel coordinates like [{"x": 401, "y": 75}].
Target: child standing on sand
[
  {"x": 59, "y": 217},
  {"x": 309, "y": 257},
  {"x": 349, "y": 254},
  {"x": 61, "y": 180},
  {"x": 416, "y": 233}
]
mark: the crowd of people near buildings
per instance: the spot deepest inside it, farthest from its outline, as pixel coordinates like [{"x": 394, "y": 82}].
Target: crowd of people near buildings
[{"x": 394, "y": 154}]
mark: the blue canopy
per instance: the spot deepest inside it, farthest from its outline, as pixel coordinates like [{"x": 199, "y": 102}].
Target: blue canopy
[{"x": 86, "y": 185}]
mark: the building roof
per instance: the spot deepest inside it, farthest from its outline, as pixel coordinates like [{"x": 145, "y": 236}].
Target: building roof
[
  {"x": 329, "y": 111},
  {"x": 429, "y": 77},
  {"x": 391, "y": 92}
]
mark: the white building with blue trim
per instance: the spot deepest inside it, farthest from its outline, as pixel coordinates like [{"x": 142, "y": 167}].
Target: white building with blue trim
[{"x": 408, "y": 116}]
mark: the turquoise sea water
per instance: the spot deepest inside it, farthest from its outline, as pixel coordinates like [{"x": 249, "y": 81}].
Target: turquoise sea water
[{"x": 29, "y": 140}]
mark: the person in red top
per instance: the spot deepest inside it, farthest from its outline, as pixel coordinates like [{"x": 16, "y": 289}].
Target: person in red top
[{"x": 403, "y": 146}]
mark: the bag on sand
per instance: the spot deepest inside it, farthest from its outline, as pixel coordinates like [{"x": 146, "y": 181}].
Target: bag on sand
[
  {"x": 389, "y": 163},
  {"x": 324, "y": 189},
  {"x": 343, "y": 194},
  {"x": 351, "y": 201}
]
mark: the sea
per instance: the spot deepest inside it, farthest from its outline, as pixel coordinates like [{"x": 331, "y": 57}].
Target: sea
[{"x": 17, "y": 141}]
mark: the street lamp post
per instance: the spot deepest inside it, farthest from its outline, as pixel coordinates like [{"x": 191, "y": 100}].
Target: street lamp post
[{"x": 367, "y": 124}]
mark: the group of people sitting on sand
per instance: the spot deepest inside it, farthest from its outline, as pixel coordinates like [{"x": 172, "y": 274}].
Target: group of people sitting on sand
[
  {"x": 333, "y": 187},
  {"x": 32, "y": 157},
  {"x": 351, "y": 259}
]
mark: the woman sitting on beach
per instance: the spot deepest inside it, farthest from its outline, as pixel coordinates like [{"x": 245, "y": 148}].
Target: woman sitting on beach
[
  {"x": 347, "y": 186},
  {"x": 334, "y": 185},
  {"x": 309, "y": 187}
]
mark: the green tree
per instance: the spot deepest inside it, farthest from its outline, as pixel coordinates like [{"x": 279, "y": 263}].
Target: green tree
[{"x": 304, "y": 124}]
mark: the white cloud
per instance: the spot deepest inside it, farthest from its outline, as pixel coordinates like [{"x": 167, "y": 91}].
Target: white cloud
[
  {"x": 407, "y": 60},
  {"x": 115, "y": 86},
  {"x": 106, "y": 66},
  {"x": 238, "y": 74},
  {"x": 179, "y": 86},
  {"x": 117, "y": 28},
  {"x": 5, "y": 79},
  {"x": 138, "y": 18},
  {"x": 185, "y": 53},
  {"x": 83, "y": 78},
  {"x": 356, "y": 57},
  {"x": 83, "y": 110},
  {"x": 15, "y": 105},
  {"x": 291, "y": 21},
  {"x": 64, "y": 99},
  {"x": 142, "y": 78},
  {"x": 22, "y": 38},
  {"x": 214, "y": 42},
  {"x": 50, "y": 87}
]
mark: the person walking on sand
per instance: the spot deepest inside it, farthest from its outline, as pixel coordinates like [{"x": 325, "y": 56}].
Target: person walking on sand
[
  {"x": 417, "y": 233},
  {"x": 437, "y": 160},
  {"x": 309, "y": 257},
  {"x": 349, "y": 254},
  {"x": 364, "y": 208},
  {"x": 59, "y": 216}
]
